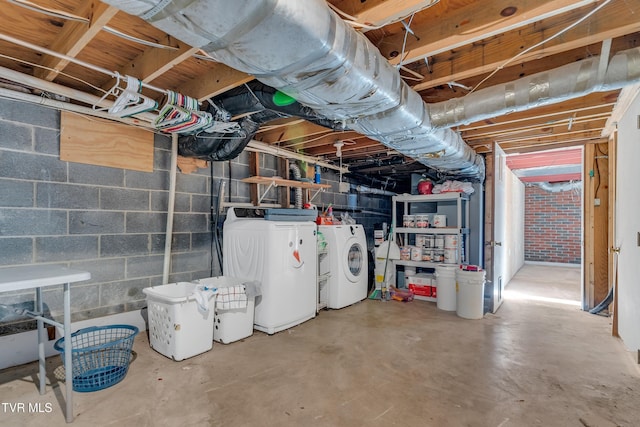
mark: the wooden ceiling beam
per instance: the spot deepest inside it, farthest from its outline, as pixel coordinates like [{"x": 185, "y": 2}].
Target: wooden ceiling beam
[
  {"x": 218, "y": 79},
  {"x": 293, "y": 132},
  {"x": 75, "y": 36},
  {"x": 535, "y": 147},
  {"x": 378, "y": 12},
  {"x": 561, "y": 114},
  {"x": 325, "y": 141},
  {"x": 279, "y": 123},
  {"x": 614, "y": 21},
  {"x": 471, "y": 24},
  {"x": 583, "y": 123},
  {"x": 590, "y": 101},
  {"x": 360, "y": 146},
  {"x": 153, "y": 63},
  {"x": 555, "y": 132},
  {"x": 549, "y": 139}
]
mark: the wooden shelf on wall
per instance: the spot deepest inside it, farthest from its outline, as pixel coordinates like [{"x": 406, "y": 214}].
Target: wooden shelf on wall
[
  {"x": 277, "y": 181},
  {"x": 281, "y": 182}
]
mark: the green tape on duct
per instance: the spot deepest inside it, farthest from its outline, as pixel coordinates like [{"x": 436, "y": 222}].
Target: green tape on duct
[{"x": 282, "y": 99}]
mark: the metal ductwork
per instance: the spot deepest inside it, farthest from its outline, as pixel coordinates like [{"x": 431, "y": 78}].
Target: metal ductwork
[
  {"x": 557, "y": 187},
  {"x": 305, "y": 50},
  {"x": 560, "y": 84}
]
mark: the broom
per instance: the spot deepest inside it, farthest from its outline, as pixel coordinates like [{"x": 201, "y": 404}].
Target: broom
[{"x": 380, "y": 294}]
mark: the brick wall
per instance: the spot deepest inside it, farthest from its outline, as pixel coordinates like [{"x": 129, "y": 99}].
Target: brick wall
[
  {"x": 552, "y": 226},
  {"x": 111, "y": 221}
]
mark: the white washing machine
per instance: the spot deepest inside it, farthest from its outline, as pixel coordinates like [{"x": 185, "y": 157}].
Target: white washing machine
[
  {"x": 346, "y": 261},
  {"x": 282, "y": 255}
]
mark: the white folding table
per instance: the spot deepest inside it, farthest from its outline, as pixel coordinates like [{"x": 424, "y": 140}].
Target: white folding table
[{"x": 40, "y": 276}]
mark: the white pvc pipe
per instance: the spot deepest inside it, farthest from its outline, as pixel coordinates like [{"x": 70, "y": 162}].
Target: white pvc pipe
[
  {"x": 170, "y": 208},
  {"x": 66, "y": 106},
  {"x": 368, "y": 190},
  {"x": 279, "y": 152},
  {"x": 78, "y": 95}
]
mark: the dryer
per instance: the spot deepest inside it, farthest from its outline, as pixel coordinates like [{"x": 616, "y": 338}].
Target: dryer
[
  {"x": 282, "y": 255},
  {"x": 346, "y": 261}
]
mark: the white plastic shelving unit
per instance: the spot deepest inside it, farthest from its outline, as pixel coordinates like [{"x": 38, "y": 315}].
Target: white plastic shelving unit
[
  {"x": 323, "y": 277},
  {"x": 454, "y": 205}
]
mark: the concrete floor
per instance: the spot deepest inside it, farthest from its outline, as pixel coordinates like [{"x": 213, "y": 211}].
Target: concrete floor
[{"x": 535, "y": 362}]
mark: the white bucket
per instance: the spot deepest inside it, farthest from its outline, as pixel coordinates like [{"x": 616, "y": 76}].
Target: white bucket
[
  {"x": 446, "y": 280},
  {"x": 421, "y": 240},
  {"x": 450, "y": 256},
  {"x": 470, "y": 294},
  {"x": 451, "y": 241},
  {"x": 439, "y": 221}
]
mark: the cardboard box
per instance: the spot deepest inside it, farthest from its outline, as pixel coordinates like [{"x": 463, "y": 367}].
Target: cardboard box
[{"x": 422, "y": 284}]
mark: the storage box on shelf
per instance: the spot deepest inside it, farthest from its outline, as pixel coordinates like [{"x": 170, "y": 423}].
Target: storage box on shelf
[{"x": 433, "y": 230}]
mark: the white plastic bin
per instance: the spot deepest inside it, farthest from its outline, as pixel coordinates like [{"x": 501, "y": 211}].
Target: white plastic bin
[
  {"x": 446, "y": 280},
  {"x": 470, "y": 294},
  {"x": 231, "y": 324},
  {"x": 177, "y": 328}
]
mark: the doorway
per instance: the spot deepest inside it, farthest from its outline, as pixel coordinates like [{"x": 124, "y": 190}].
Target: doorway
[{"x": 538, "y": 212}]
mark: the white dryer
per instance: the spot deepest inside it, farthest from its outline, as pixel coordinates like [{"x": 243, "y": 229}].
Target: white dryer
[
  {"x": 282, "y": 255},
  {"x": 347, "y": 264}
]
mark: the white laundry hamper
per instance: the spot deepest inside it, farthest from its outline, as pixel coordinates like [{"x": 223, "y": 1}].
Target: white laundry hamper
[
  {"x": 231, "y": 322},
  {"x": 178, "y": 329}
]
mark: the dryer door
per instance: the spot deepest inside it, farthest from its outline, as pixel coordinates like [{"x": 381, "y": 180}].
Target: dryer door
[{"x": 354, "y": 260}]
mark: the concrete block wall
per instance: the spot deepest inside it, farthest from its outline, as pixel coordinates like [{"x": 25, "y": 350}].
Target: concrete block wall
[
  {"x": 108, "y": 221},
  {"x": 111, "y": 221},
  {"x": 552, "y": 226}
]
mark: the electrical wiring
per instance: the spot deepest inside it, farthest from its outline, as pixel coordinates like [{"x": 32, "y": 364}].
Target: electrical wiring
[
  {"x": 134, "y": 39},
  {"x": 48, "y": 11},
  {"x": 99, "y": 89},
  {"x": 71, "y": 17},
  {"x": 404, "y": 40},
  {"x": 542, "y": 42}
]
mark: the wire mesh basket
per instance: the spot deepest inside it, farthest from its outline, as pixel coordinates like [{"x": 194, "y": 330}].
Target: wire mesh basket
[{"x": 100, "y": 355}]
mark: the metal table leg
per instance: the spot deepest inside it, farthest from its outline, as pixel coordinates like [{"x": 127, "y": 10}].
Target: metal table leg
[
  {"x": 68, "y": 364},
  {"x": 41, "y": 359}
]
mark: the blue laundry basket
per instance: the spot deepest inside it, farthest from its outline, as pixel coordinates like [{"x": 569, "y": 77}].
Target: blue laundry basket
[{"x": 100, "y": 355}]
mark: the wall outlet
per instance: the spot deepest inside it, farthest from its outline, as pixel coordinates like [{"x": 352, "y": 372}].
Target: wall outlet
[{"x": 596, "y": 202}]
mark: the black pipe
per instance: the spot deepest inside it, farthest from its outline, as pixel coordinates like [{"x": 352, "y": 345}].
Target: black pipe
[{"x": 603, "y": 304}]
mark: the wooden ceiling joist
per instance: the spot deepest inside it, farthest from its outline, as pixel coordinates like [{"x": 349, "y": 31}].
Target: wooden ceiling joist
[
  {"x": 614, "y": 21},
  {"x": 75, "y": 36},
  {"x": 471, "y": 24}
]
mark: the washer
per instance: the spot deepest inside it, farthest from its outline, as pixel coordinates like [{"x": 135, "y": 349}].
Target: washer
[
  {"x": 282, "y": 255},
  {"x": 347, "y": 263}
]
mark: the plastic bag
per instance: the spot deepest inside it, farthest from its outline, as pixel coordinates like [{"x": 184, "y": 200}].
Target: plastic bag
[{"x": 404, "y": 295}]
